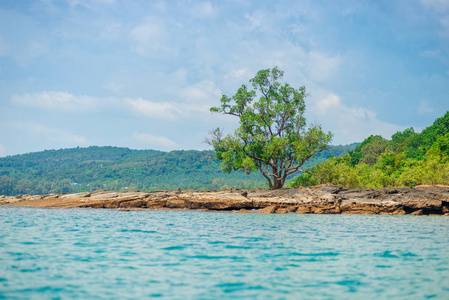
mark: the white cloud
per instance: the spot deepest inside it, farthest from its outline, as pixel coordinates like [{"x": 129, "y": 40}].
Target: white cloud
[
  {"x": 203, "y": 10},
  {"x": 109, "y": 29},
  {"x": 425, "y": 108},
  {"x": 158, "y": 110},
  {"x": 445, "y": 26},
  {"x": 321, "y": 67},
  {"x": 55, "y": 101},
  {"x": 151, "y": 39},
  {"x": 52, "y": 134},
  {"x": 327, "y": 104},
  {"x": 260, "y": 21},
  {"x": 239, "y": 73},
  {"x": 155, "y": 142},
  {"x": 204, "y": 91},
  {"x": 113, "y": 87},
  {"x": 66, "y": 102},
  {"x": 349, "y": 124},
  {"x": 89, "y": 3},
  {"x": 440, "y": 6},
  {"x": 200, "y": 98}
]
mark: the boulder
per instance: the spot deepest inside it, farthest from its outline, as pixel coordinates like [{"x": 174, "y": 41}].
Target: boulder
[
  {"x": 242, "y": 211},
  {"x": 175, "y": 203},
  {"x": 134, "y": 203},
  {"x": 267, "y": 210}
]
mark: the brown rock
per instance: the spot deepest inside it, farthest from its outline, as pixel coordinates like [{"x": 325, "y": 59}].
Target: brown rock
[
  {"x": 326, "y": 209},
  {"x": 267, "y": 210},
  {"x": 417, "y": 212},
  {"x": 360, "y": 209},
  {"x": 358, "y": 212},
  {"x": 98, "y": 204},
  {"x": 322, "y": 199},
  {"x": 172, "y": 203},
  {"x": 399, "y": 211},
  {"x": 282, "y": 210},
  {"x": 111, "y": 204},
  {"x": 333, "y": 189},
  {"x": 134, "y": 203},
  {"x": 420, "y": 203},
  {"x": 303, "y": 209},
  {"x": 430, "y": 186},
  {"x": 219, "y": 202},
  {"x": 242, "y": 211},
  {"x": 156, "y": 203}
]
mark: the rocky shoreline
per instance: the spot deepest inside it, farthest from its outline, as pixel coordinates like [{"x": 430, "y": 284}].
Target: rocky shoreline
[{"x": 322, "y": 199}]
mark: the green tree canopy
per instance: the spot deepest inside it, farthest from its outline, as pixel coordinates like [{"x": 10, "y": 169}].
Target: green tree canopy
[{"x": 272, "y": 136}]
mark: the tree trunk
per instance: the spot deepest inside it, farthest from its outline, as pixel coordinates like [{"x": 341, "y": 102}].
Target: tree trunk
[{"x": 277, "y": 183}]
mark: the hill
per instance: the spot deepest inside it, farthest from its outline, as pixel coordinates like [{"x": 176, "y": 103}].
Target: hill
[
  {"x": 408, "y": 159},
  {"x": 113, "y": 168}
]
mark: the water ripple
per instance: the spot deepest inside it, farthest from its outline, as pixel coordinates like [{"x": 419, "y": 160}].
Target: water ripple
[{"x": 90, "y": 254}]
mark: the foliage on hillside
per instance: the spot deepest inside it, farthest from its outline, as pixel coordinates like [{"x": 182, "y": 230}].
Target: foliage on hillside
[
  {"x": 112, "y": 168},
  {"x": 408, "y": 159}
]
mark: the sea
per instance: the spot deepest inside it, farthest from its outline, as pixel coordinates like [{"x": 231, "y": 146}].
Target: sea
[{"x": 113, "y": 254}]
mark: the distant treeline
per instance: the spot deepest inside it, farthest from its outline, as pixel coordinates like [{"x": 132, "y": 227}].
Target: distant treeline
[
  {"x": 408, "y": 159},
  {"x": 112, "y": 168}
]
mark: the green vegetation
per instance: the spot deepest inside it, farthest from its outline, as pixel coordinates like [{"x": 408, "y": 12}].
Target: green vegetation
[
  {"x": 272, "y": 137},
  {"x": 408, "y": 159},
  {"x": 110, "y": 168}
]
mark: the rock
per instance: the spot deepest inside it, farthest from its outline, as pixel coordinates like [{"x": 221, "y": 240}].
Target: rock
[
  {"x": 98, "y": 191},
  {"x": 322, "y": 199},
  {"x": 399, "y": 211},
  {"x": 134, "y": 203},
  {"x": 175, "y": 203},
  {"x": 359, "y": 208},
  {"x": 417, "y": 212},
  {"x": 160, "y": 203},
  {"x": 303, "y": 209},
  {"x": 111, "y": 204},
  {"x": 333, "y": 189},
  {"x": 242, "y": 211},
  {"x": 430, "y": 186},
  {"x": 423, "y": 203},
  {"x": 282, "y": 210},
  {"x": 326, "y": 209},
  {"x": 77, "y": 195},
  {"x": 267, "y": 210},
  {"x": 98, "y": 204},
  {"x": 358, "y": 212},
  {"x": 219, "y": 204}
]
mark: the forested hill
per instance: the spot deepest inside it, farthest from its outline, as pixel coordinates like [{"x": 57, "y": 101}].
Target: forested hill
[
  {"x": 113, "y": 168},
  {"x": 408, "y": 159}
]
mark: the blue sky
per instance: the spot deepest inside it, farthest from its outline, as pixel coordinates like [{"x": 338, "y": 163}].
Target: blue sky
[{"x": 143, "y": 74}]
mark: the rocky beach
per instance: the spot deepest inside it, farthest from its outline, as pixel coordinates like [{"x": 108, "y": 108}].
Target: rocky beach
[{"x": 321, "y": 199}]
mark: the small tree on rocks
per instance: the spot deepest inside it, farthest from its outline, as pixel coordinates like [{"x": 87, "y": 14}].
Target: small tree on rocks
[{"x": 272, "y": 136}]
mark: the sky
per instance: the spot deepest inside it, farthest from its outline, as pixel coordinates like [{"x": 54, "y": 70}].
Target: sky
[{"x": 144, "y": 74}]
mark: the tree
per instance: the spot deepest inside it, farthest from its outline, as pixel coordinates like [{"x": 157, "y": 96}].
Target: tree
[{"x": 272, "y": 135}]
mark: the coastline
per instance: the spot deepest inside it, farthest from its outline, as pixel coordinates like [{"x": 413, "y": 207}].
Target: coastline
[{"x": 321, "y": 199}]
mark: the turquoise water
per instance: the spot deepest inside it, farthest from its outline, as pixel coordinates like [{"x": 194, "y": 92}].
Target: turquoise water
[{"x": 86, "y": 253}]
